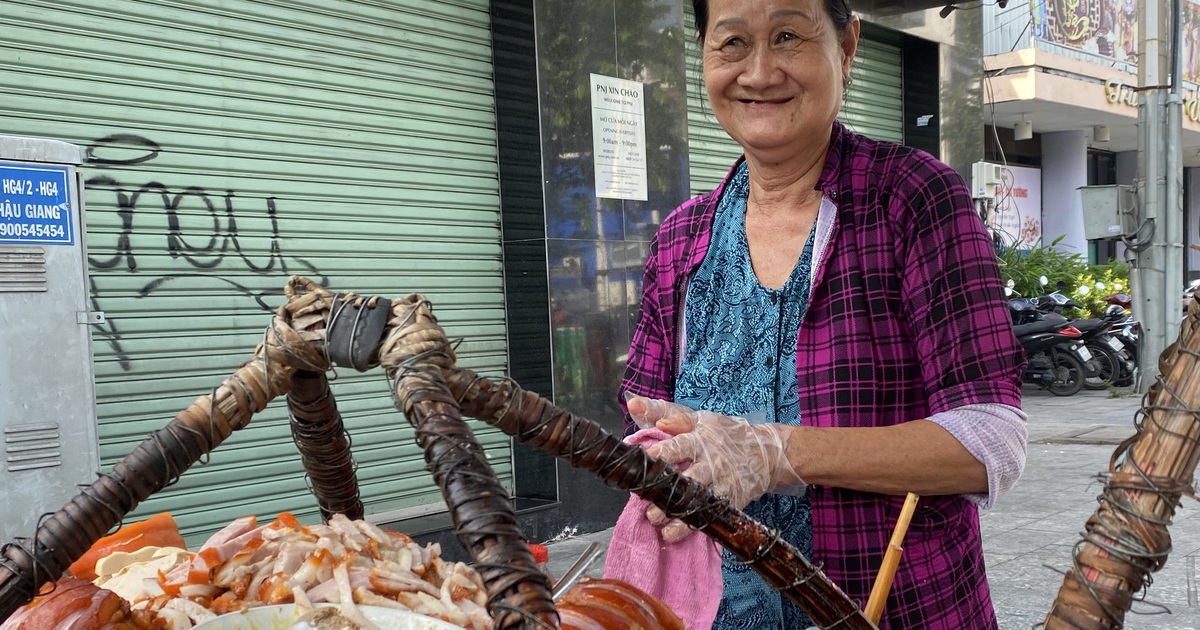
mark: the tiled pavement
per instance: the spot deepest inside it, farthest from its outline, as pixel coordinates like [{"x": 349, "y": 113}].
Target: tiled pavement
[
  {"x": 1031, "y": 532},
  {"x": 1036, "y": 526}
]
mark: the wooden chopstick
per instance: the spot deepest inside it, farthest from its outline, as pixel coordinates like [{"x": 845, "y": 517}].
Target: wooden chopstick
[{"x": 891, "y": 561}]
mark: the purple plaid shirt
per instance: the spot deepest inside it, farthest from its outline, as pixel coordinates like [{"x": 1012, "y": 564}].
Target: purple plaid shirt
[{"x": 906, "y": 319}]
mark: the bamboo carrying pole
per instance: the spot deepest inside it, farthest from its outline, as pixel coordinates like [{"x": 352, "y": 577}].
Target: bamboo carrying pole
[
  {"x": 891, "y": 561},
  {"x": 324, "y": 446},
  {"x": 431, "y": 391},
  {"x": 27, "y": 565},
  {"x": 294, "y": 342},
  {"x": 415, "y": 355},
  {"x": 1127, "y": 538},
  {"x": 583, "y": 444}
]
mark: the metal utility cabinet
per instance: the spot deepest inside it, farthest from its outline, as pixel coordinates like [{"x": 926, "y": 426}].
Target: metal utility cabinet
[{"x": 47, "y": 397}]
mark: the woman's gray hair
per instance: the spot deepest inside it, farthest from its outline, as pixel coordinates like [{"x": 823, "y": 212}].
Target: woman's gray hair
[{"x": 838, "y": 11}]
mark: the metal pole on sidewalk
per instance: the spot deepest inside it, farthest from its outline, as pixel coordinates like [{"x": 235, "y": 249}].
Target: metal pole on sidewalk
[
  {"x": 1158, "y": 277},
  {"x": 1173, "y": 177}
]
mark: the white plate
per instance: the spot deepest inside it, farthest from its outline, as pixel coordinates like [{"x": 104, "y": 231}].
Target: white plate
[{"x": 282, "y": 617}]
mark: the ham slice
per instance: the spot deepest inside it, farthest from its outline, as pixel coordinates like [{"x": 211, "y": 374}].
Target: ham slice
[
  {"x": 74, "y": 604},
  {"x": 229, "y": 532}
]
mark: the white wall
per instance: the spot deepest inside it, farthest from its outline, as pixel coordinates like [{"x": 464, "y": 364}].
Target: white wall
[{"x": 1064, "y": 172}]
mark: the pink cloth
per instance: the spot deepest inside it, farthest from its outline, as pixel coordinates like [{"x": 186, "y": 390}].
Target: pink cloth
[{"x": 686, "y": 575}]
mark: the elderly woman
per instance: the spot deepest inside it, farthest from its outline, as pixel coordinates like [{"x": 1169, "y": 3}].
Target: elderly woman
[{"x": 830, "y": 316}]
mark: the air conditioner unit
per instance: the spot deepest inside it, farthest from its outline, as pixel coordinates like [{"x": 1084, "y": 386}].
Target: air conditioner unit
[{"x": 985, "y": 177}]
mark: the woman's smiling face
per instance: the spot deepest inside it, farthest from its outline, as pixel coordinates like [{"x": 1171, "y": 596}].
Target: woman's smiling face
[{"x": 774, "y": 70}]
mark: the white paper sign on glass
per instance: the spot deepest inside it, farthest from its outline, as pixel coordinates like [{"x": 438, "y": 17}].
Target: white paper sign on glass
[{"x": 619, "y": 138}]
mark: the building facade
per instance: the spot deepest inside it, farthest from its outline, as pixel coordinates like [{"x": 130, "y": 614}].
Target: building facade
[
  {"x": 456, "y": 149},
  {"x": 1065, "y": 74}
]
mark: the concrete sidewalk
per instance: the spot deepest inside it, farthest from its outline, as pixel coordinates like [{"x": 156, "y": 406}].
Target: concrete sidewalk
[{"x": 1030, "y": 534}]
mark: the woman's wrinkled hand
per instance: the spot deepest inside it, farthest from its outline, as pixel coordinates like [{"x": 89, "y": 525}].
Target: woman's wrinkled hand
[{"x": 738, "y": 460}]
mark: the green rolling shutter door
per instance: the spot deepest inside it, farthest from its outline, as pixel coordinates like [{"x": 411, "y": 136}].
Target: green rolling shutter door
[
  {"x": 232, "y": 143},
  {"x": 710, "y": 149},
  {"x": 874, "y": 107}
]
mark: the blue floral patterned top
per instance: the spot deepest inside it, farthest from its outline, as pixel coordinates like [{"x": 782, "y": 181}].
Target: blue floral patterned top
[{"x": 739, "y": 359}]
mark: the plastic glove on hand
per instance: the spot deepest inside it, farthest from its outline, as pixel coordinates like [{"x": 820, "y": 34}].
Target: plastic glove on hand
[
  {"x": 738, "y": 460},
  {"x": 665, "y": 416}
]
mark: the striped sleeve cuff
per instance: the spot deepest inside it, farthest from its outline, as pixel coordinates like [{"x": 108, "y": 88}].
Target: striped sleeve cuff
[{"x": 994, "y": 434}]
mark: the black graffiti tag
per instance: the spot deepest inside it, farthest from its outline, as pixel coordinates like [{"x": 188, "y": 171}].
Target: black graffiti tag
[
  {"x": 218, "y": 250},
  {"x": 111, "y": 150}
]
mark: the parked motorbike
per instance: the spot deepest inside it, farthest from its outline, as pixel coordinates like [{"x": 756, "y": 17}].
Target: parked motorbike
[
  {"x": 1114, "y": 363},
  {"x": 1118, "y": 364},
  {"x": 1126, "y": 330},
  {"x": 1124, "y": 300},
  {"x": 1188, "y": 292},
  {"x": 1053, "y": 351},
  {"x": 1056, "y": 357}
]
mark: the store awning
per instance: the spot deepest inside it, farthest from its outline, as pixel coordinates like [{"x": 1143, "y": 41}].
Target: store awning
[{"x": 1058, "y": 93}]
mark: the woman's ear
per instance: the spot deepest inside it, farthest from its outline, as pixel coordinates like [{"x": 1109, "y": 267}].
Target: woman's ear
[{"x": 850, "y": 44}]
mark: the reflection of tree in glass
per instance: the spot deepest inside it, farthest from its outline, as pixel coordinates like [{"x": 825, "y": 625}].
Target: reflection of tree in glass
[
  {"x": 577, "y": 39},
  {"x": 961, "y": 98}
]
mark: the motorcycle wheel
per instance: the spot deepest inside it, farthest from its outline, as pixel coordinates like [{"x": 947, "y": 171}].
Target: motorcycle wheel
[
  {"x": 1109, "y": 367},
  {"x": 1127, "y": 373},
  {"x": 1069, "y": 372}
]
